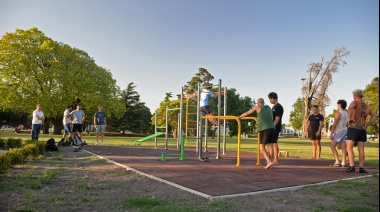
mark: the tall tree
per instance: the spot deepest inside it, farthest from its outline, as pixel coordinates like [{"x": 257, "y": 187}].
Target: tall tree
[
  {"x": 319, "y": 80},
  {"x": 371, "y": 97},
  {"x": 36, "y": 69},
  {"x": 137, "y": 115},
  {"x": 203, "y": 76},
  {"x": 295, "y": 117}
]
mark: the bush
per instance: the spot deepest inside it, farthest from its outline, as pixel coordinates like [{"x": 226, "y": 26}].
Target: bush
[
  {"x": 2, "y": 143},
  {"x": 33, "y": 148},
  {"x": 13, "y": 143},
  {"x": 15, "y": 155},
  {"x": 5, "y": 162}
]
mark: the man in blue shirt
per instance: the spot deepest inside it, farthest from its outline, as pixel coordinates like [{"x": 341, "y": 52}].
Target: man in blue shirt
[{"x": 100, "y": 123}]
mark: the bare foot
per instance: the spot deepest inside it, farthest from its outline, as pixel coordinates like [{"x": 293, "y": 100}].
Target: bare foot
[
  {"x": 275, "y": 163},
  {"x": 268, "y": 165}
]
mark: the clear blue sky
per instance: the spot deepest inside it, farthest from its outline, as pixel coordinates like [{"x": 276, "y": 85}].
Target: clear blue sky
[{"x": 254, "y": 46}]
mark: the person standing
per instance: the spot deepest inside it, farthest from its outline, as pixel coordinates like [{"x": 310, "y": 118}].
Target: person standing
[
  {"x": 78, "y": 119},
  {"x": 100, "y": 123},
  {"x": 67, "y": 122},
  {"x": 358, "y": 111},
  {"x": 38, "y": 117},
  {"x": 265, "y": 128},
  {"x": 277, "y": 111},
  {"x": 314, "y": 131},
  {"x": 338, "y": 133}
]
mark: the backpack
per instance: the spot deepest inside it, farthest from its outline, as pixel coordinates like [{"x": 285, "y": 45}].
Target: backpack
[
  {"x": 50, "y": 145},
  {"x": 77, "y": 141},
  {"x": 63, "y": 142}
]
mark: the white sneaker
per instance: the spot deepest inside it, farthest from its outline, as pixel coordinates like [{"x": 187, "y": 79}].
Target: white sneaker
[
  {"x": 96, "y": 143},
  {"x": 102, "y": 143}
]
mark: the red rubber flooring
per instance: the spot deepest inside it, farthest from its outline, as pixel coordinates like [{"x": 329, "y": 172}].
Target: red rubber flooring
[{"x": 221, "y": 178}]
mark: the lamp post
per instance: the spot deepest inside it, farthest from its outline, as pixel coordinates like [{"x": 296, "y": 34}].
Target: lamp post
[{"x": 303, "y": 105}]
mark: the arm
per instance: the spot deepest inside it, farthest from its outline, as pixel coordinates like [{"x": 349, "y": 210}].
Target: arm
[
  {"x": 83, "y": 117},
  {"x": 254, "y": 109},
  {"x": 373, "y": 118},
  {"x": 337, "y": 118},
  {"x": 95, "y": 121},
  {"x": 276, "y": 120},
  {"x": 320, "y": 128},
  {"x": 105, "y": 121}
]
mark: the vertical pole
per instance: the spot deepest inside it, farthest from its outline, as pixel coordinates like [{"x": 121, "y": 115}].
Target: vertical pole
[
  {"x": 199, "y": 133},
  {"x": 155, "y": 129},
  {"x": 179, "y": 132},
  {"x": 219, "y": 110},
  {"x": 167, "y": 127},
  {"x": 180, "y": 118},
  {"x": 200, "y": 138},
  {"x": 258, "y": 149},
  {"x": 224, "y": 121},
  {"x": 206, "y": 133}
]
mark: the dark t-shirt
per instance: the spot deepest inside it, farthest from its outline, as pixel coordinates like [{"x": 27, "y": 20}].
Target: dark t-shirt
[
  {"x": 100, "y": 117},
  {"x": 278, "y": 110},
  {"x": 314, "y": 122}
]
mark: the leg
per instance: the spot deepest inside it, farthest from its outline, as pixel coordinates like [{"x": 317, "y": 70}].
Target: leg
[
  {"x": 266, "y": 156},
  {"x": 344, "y": 154},
  {"x": 213, "y": 121},
  {"x": 319, "y": 149},
  {"x": 102, "y": 135},
  {"x": 350, "y": 151},
  {"x": 334, "y": 151},
  {"x": 275, "y": 152},
  {"x": 270, "y": 152},
  {"x": 314, "y": 143},
  {"x": 361, "y": 154}
]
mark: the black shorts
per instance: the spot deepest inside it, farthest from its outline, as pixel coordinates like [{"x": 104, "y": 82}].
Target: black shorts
[
  {"x": 313, "y": 136},
  {"x": 357, "y": 135},
  {"x": 268, "y": 136},
  {"x": 77, "y": 128},
  {"x": 206, "y": 109}
]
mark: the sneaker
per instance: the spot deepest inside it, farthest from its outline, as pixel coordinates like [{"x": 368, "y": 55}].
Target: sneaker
[
  {"x": 343, "y": 165},
  {"x": 361, "y": 170},
  {"x": 350, "y": 169},
  {"x": 96, "y": 143},
  {"x": 102, "y": 143},
  {"x": 335, "y": 165}
]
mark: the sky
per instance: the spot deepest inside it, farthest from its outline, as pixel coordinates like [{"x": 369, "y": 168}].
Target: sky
[{"x": 253, "y": 46}]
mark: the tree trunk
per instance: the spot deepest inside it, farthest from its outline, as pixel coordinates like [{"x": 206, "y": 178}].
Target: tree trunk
[{"x": 45, "y": 127}]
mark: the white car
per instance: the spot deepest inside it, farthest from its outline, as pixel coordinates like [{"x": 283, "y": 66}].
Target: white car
[{"x": 7, "y": 127}]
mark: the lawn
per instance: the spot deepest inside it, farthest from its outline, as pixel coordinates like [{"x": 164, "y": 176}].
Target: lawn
[{"x": 296, "y": 147}]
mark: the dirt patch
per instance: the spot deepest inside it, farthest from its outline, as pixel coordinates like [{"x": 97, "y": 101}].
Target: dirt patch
[{"x": 77, "y": 181}]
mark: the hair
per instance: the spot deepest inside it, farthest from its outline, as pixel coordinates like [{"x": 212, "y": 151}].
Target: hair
[
  {"x": 272, "y": 95},
  {"x": 342, "y": 103},
  {"x": 69, "y": 106},
  {"x": 315, "y": 106},
  {"x": 358, "y": 92},
  {"x": 77, "y": 105}
]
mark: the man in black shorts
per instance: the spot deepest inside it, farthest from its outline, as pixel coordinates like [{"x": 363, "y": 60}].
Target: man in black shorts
[
  {"x": 277, "y": 111},
  {"x": 265, "y": 128},
  {"x": 314, "y": 130}
]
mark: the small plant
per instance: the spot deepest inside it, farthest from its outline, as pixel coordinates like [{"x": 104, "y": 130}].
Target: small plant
[
  {"x": 58, "y": 156},
  {"x": 13, "y": 143}
]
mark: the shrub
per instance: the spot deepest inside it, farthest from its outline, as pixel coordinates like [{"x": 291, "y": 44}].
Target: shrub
[
  {"x": 2, "y": 143},
  {"x": 33, "y": 148},
  {"x": 41, "y": 147},
  {"x": 15, "y": 155},
  {"x": 5, "y": 162},
  {"x": 13, "y": 143}
]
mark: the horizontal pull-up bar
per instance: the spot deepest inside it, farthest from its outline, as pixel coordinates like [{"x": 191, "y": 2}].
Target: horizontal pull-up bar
[
  {"x": 178, "y": 108},
  {"x": 239, "y": 134}
]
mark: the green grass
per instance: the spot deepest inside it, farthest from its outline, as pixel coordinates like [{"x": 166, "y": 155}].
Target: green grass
[{"x": 296, "y": 147}]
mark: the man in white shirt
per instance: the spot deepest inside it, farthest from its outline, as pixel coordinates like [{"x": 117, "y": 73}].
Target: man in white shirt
[
  {"x": 67, "y": 122},
  {"x": 38, "y": 116}
]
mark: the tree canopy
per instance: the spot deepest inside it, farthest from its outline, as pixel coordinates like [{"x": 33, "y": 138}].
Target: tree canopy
[{"x": 38, "y": 70}]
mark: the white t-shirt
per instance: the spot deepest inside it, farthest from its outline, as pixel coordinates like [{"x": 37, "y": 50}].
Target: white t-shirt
[
  {"x": 342, "y": 122},
  {"x": 39, "y": 114},
  {"x": 66, "y": 120}
]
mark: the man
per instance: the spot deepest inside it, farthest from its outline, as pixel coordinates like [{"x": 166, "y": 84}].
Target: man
[
  {"x": 67, "y": 122},
  {"x": 100, "y": 123},
  {"x": 265, "y": 127},
  {"x": 38, "y": 117},
  {"x": 358, "y": 111},
  {"x": 314, "y": 130},
  {"x": 338, "y": 133},
  {"x": 78, "y": 119},
  {"x": 204, "y": 106},
  {"x": 277, "y": 111}
]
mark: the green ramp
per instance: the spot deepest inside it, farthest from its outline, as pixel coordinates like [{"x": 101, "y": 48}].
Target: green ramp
[{"x": 148, "y": 137}]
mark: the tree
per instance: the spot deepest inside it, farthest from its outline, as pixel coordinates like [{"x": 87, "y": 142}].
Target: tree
[
  {"x": 319, "y": 80},
  {"x": 35, "y": 69},
  {"x": 203, "y": 76},
  {"x": 371, "y": 97},
  {"x": 295, "y": 117},
  {"x": 137, "y": 115}
]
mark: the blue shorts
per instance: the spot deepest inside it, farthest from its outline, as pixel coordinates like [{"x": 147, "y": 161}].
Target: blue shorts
[
  {"x": 340, "y": 136},
  {"x": 67, "y": 128}
]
